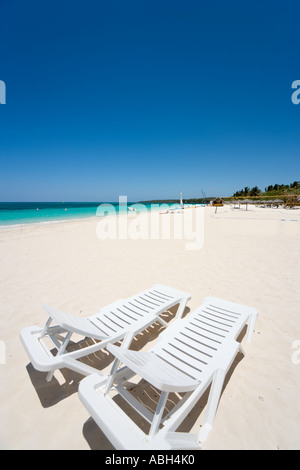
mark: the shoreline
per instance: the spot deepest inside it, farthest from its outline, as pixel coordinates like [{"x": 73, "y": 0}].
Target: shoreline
[
  {"x": 80, "y": 217},
  {"x": 129, "y": 214},
  {"x": 46, "y": 222},
  {"x": 220, "y": 210}
]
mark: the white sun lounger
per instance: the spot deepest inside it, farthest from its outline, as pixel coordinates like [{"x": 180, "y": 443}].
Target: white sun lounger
[
  {"x": 123, "y": 319},
  {"x": 191, "y": 354}
]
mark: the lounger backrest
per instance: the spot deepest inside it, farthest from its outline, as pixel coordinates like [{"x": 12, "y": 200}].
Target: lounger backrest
[
  {"x": 127, "y": 314},
  {"x": 195, "y": 343}
]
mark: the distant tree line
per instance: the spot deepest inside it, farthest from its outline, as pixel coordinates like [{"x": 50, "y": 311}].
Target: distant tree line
[
  {"x": 295, "y": 185},
  {"x": 255, "y": 191}
]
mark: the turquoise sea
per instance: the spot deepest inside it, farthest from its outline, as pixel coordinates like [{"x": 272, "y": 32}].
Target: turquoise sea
[{"x": 16, "y": 213}]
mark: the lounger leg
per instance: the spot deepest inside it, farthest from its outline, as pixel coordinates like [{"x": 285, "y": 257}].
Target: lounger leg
[
  {"x": 212, "y": 405},
  {"x": 45, "y": 329},
  {"x": 60, "y": 351},
  {"x": 127, "y": 340},
  {"x": 111, "y": 376},
  {"x": 158, "y": 414},
  {"x": 250, "y": 328},
  {"x": 181, "y": 308}
]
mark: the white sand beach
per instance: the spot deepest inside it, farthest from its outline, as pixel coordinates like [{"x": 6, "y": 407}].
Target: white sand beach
[{"x": 251, "y": 257}]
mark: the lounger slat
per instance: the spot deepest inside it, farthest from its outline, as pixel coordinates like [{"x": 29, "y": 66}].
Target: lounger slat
[
  {"x": 129, "y": 310},
  {"x": 214, "y": 333},
  {"x": 198, "y": 340},
  {"x": 163, "y": 295},
  {"x": 194, "y": 347},
  {"x": 215, "y": 315},
  {"x": 145, "y": 303},
  {"x": 225, "y": 311},
  {"x": 180, "y": 361},
  {"x": 213, "y": 321},
  {"x": 158, "y": 300},
  {"x": 104, "y": 325},
  {"x": 151, "y": 302},
  {"x": 197, "y": 332},
  {"x": 212, "y": 325},
  {"x": 113, "y": 322},
  {"x": 215, "y": 310},
  {"x": 103, "y": 331},
  {"x": 187, "y": 354},
  {"x": 139, "y": 306}
]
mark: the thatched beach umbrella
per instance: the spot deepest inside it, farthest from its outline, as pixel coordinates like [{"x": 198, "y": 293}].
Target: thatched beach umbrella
[
  {"x": 278, "y": 201},
  {"x": 236, "y": 202},
  {"x": 247, "y": 202}
]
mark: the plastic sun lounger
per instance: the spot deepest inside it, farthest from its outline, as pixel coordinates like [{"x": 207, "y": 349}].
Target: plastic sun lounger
[
  {"x": 191, "y": 354},
  {"x": 123, "y": 319}
]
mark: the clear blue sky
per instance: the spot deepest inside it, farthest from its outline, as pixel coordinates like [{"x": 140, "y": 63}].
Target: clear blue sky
[{"x": 147, "y": 98}]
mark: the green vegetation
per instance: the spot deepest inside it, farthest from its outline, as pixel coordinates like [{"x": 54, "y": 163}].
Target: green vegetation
[
  {"x": 285, "y": 192},
  {"x": 255, "y": 191},
  {"x": 272, "y": 190}
]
